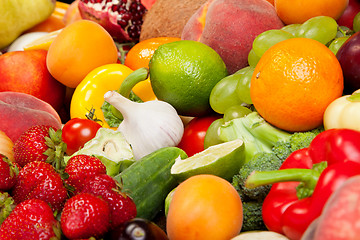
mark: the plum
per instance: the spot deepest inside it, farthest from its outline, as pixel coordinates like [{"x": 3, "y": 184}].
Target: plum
[
  {"x": 349, "y": 58},
  {"x": 20, "y": 111}
]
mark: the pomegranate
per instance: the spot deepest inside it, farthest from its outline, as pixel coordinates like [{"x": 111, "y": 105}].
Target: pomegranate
[{"x": 121, "y": 18}]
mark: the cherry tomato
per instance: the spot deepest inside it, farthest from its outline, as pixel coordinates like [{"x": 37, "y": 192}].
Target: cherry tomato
[
  {"x": 194, "y": 133},
  {"x": 76, "y": 132}
]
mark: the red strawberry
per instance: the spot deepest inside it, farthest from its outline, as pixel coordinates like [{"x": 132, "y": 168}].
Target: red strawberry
[
  {"x": 84, "y": 216},
  {"x": 122, "y": 206},
  {"x": 40, "y": 180},
  {"x": 82, "y": 167},
  {"x": 31, "y": 219},
  {"x": 39, "y": 143},
  {"x": 8, "y": 173}
]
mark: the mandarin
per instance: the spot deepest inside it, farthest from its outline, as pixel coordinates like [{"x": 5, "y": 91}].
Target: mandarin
[
  {"x": 293, "y": 83},
  {"x": 298, "y": 11}
]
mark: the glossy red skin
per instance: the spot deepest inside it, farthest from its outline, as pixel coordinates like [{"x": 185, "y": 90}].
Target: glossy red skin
[
  {"x": 283, "y": 212},
  {"x": 330, "y": 146},
  {"x": 347, "y": 17},
  {"x": 122, "y": 207},
  {"x": 26, "y": 72},
  {"x": 349, "y": 59},
  {"x": 76, "y": 132},
  {"x": 32, "y": 218},
  {"x": 192, "y": 141}
]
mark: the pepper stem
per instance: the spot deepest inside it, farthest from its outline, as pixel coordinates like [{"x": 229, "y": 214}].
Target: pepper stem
[
  {"x": 307, "y": 177},
  {"x": 127, "y": 85}
]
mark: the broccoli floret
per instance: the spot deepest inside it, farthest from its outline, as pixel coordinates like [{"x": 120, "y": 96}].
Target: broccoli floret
[
  {"x": 296, "y": 141},
  {"x": 252, "y": 216},
  {"x": 263, "y": 161},
  {"x": 257, "y": 134}
]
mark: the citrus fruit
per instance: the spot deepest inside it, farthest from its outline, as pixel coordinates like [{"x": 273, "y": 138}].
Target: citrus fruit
[
  {"x": 298, "y": 11},
  {"x": 183, "y": 74},
  {"x": 293, "y": 83},
  {"x": 139, "y": 55},
  {"x": 204, "y": 207},
  {"x": 75, "y": 52},
  {"x": 42, "y": 42},
  {"x": 223, "y": 160}
]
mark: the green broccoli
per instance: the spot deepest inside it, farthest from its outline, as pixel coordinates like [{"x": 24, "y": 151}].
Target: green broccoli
[
  {"x": 252, "y": 216},
  {"x": 263, "y": 161},
  {"x": 296, "y": 141},
  {"x": 257, "y": 134}
]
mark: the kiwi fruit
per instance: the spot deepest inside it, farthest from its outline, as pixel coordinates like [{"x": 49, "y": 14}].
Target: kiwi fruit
[{"x": 167, "y": 18}]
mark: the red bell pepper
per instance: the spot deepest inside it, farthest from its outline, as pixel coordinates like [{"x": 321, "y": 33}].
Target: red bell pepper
[{"x": 306, "y": 180}]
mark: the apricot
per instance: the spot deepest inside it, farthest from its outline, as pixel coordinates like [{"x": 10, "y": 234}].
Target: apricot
[{"x": 230, "y": 27}]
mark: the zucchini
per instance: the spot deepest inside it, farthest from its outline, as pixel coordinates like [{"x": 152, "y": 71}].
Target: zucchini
[{"x": 148, "y": 180}]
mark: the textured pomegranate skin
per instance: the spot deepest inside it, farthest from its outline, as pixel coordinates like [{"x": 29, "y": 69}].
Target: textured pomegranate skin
[{"x": 121, "y": 18}]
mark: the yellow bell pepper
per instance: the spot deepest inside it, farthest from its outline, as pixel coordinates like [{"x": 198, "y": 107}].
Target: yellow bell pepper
[
  {"x": 343, "y": 112},
  {"x": 89, "y": 94}
]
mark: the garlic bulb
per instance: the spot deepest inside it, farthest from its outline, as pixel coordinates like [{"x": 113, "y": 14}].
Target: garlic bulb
[{"x": 147, "y": 126}]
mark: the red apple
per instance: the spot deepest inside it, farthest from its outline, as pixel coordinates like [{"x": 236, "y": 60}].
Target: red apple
[
  {"x": 347, "y": 17},
  {"x": 26, "y": 72}
]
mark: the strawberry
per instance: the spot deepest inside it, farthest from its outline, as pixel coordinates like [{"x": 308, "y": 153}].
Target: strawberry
[
  {"x": 8, "y": 173},
  {"x": 40, "y": 180},
  {"x": 122, "y": 207},
  {"x": 80, "y": 168},
  {"x": 31, "y": 219},
  {"x": 40, "y": 143},
  {"x": 85, "y": 215}
]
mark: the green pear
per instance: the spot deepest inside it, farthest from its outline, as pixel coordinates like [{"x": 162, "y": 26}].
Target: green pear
[{"x": 19, "y": 15}]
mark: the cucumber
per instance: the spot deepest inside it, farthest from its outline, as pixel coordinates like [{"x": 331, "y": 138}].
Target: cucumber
[{"x": 148, "y": 180}]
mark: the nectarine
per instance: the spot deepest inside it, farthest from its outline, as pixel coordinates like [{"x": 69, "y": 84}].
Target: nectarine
[{"x": 230, "y": 27}]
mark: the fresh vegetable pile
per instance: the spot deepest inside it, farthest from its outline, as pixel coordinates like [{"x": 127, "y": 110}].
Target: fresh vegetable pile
[{"x": 238, "y": 127}]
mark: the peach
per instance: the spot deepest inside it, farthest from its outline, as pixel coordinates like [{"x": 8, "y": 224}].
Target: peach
[
  {"x": 26, "y": 72},
  {"x": 230, "y": 27},
  {"x": 20, "y": 111}
]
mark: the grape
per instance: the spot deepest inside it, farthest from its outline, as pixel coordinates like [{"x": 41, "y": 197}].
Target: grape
[
  {"x": 212, "y": 133},
  {"x": 243, "y": 86},
  {"x": 291, "y": 28},
  {"x": 253, "y": 59},
  {"x": 337, "y": 43},
  {"x": 237, "y": 111},
  {"x": 223, "y": 94},
  {"x": 321, "y": 28},
  {"x": 356, "y": 22},
  {"x": 267, "y": 39}
]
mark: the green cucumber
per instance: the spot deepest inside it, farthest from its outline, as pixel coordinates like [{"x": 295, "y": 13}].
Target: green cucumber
[{"x": 148, "y": 180}]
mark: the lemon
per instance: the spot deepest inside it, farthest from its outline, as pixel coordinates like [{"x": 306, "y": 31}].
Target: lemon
[
  {"x": 183, "y": 73},
  {"x": 223, "y": 160},
  {"x": 42, "y": 42}
]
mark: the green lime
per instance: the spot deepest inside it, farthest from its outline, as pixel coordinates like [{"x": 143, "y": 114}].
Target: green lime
[
  {"x": 183, "y": 73},
  {"x": 223, "y": 160}
]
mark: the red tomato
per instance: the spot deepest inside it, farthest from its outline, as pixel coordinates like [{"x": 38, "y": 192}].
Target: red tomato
[
  {"x": 194, "y": 133},
  {"x": 76, "y": 132}
]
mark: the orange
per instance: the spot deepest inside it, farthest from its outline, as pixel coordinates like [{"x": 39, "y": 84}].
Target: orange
[
  {"x": 75, "y": 52},
  {"x": 204, "y": 207},
  {"x": 298, "y": 11},
  {"x": 293, "y": 83},
  {"x": 271, "y": 1},
  {"x": 140, "y": 54}
]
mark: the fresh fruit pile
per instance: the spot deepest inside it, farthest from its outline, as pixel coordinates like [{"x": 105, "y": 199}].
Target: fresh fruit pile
[{"x": 209, "y": 119}]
